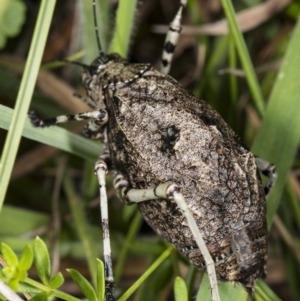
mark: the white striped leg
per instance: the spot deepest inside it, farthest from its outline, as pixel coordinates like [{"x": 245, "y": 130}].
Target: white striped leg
[
  {"x": 268, "y": 170},
  {"x": 171, "y": 191},
  {"x": 105, "y": 156},
  {"x": 100, "y": 116},
  {"x": 121, "y": 186},
  {"x": 100, "y": 171},
  {"x": 171, "y": 40}
]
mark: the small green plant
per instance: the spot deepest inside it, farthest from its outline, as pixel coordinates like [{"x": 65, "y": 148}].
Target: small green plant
[{"x": 14, "y": 273}]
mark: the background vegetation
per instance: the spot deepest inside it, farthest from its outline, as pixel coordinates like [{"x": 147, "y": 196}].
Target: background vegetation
[{"x": 54, "y": 193}]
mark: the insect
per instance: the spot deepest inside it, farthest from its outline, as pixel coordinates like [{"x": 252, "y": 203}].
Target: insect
[{"x": 163, "y": 145}]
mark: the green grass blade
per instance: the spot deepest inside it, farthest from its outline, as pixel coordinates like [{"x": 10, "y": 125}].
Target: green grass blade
[
  {"x": 263, "y": 292},
  {"x": 294, "y": 204},
  {"x": 232, "y": 78},
  {"x": 278, "y": 138},
  {"x": 131, "y": 234},
  {"x": 16, "y": 221},
  {"x": 82, "y": 227},
  {"x": 55, "y": 136},
  {"x": 123, "y": 29},
  {"x": 244, "y": 56},
  {"x": 151, "y": 269},
  {"x": 25, "y": 93}
]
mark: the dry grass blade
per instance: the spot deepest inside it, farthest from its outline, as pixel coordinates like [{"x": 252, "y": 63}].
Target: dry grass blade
[
  {"x": 49, "y": 84},
  {"x": 60, "y": 91},
  {"x": 287, "y": 237},
  {"x": 295, "y": 184},
  {"x": 32, "y": 159}
]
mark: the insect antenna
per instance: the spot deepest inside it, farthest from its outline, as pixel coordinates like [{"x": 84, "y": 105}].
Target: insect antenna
[
  {"x": 96, "y": 27},
  {"x": 75, "y": 63}
]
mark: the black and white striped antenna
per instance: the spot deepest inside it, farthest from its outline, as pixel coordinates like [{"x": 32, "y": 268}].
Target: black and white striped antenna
[{"x": 96, "y": 27}]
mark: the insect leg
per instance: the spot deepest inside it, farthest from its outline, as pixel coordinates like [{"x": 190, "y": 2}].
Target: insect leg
[
  {"x": 100, "y": 116},
  {"x": 171, "y": 40},
  {"x": 171, "y": 191},
  {"x": 100, "y": 171},
  {"x": 97, "y": 119},
  {"x": 121, "y": 186},
  {"x": 268, "y": 170}
]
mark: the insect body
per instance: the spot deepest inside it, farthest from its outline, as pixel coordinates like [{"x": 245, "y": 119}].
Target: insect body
[
  {"x": 163, "y": 146},
  {"x": 158, "y": 132}
]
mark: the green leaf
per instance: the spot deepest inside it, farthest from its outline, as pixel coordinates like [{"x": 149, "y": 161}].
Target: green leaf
[
  {"x": 42, "y": 260},
  {"x": 11, "y": 274},
  {"x": 83, "y": 285},
  {"x": 226, "y": 291},
  {"x": 40, "y": 297},
  {"x": 57, "y": 280},
  {"x": 100, "y": 280},
  {"x": 9, "y": 255},
  {"x": 26, "y": 259},
  {"x": 180, "y": 290},
  {"x": 27, "y": 288},
  {"x": 12, "y": 16}
]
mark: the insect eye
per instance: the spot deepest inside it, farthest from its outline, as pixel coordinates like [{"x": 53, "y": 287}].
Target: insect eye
[{"x": 95, "y": 66}]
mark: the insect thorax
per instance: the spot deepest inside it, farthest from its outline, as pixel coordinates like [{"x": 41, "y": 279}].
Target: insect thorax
[{"x": 107, "y": 73}]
